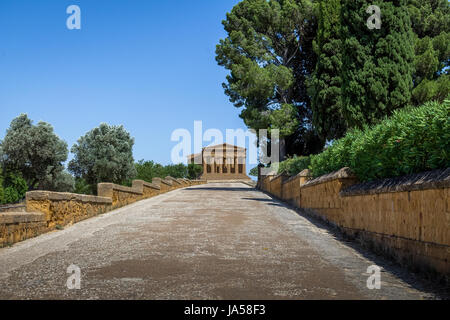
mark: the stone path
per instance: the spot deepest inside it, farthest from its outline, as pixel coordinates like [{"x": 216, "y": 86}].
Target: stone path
[{"x": 215, "y": 241}]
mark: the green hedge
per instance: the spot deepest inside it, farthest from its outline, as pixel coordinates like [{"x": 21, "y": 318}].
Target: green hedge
[
  {"x": 412, "y": 140},
  {"x": 295, "y": 165}
]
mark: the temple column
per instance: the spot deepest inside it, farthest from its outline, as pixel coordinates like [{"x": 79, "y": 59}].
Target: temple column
[
  {"x": 205, "y": 165},
  {"x": 241, "y": 162}
]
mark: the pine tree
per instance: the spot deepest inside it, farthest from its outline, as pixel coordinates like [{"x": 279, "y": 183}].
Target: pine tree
[
  {"x": 377, "y": 63},
  {"x": 268, "y": 53}
]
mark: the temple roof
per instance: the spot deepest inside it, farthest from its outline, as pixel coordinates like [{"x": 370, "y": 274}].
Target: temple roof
[{"x": 224, "y": 145}]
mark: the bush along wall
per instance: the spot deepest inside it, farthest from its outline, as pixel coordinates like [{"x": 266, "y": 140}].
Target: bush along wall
[
  {"x": 294, "y": 165},
  {"x": 12, "y": 188},
  {"x": 412, "y": 140}
]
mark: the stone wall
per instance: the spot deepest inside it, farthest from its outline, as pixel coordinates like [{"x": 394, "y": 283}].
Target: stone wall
[
  {"x": 164, "y": 184},
  {"x": 19, "y": 226},
  {"x": 19, "y": 207},
  {"x": 63, "y": 209},
  {"x": 406, "y": 218},
  {"x": 148, "y": 189},
  {"x": 47, "y": 211}
]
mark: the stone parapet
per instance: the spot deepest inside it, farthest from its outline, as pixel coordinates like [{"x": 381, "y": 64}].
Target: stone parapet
[
  {"x": 47, "y": 210},
  {"x": 406, "y": 218},
  {"x": 19, "y": 226}
]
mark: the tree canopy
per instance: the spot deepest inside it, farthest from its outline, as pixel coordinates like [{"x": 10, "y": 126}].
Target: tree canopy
[
  {"x": 34, "y": 151},
  {"x": 326, "y": 81},
  {"x": 268, "y": 52},
  {"x": 147, "y": 170},
  {"x": 377, "y": 64},
  {"x": 104, "y": 154},
  {"x": 431, "y": 25}
]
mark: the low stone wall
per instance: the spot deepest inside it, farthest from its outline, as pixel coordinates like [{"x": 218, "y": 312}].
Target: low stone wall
[
  {"x": 62, "y": 209},
  {"x": 47, "y": 211},
  {"x": 19, "y": 226},
  {"x": 276, "y": 185},
  {"x": 165, "y": 185},
  {"x": 148, "y": 190},
  {"x": 406, "y": 218},
  {"x": 175, "y": 183},
  {"x": 290, "y": 191},
  {"x": 19, "y": 207},
  {"x": 120, "y": 195},
  {"x": 198, "y": 182}
]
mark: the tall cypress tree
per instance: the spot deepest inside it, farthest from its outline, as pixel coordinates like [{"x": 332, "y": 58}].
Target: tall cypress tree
[
  {"x": 377, "y": 63},
  {"x": 326, "y": 81}
]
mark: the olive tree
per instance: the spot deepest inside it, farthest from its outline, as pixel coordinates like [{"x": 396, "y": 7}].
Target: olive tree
[
  {"x": 34, "y": 151},
  {"x": 104, "y": 154}
]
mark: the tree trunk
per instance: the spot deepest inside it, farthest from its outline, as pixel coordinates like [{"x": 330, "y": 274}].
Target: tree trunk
[{"x": 282, "y": 149}]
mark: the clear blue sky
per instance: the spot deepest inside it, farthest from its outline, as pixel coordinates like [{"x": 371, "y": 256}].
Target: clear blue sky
[{"x": 149, "y": 65}]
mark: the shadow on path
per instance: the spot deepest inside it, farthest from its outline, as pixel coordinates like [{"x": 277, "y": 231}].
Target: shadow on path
[
  {"x": 221, "y": 189},
  {"x": 416, "y": 280}
]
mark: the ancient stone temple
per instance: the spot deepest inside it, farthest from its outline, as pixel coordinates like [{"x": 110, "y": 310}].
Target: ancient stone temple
[{"x": 221, "y": 162}]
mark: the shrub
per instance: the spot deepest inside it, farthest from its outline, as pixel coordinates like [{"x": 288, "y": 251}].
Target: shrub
[
  {"x": 147, "y": 170},
  {"x": 82, "y": 187},
  {"x": 412, "y": 140},
  {"x": 10, "y": 195},
  {"x": 13, "y": 188},
  {"x": 295, "y": 165},
  {"x": 194, "y": 171}
]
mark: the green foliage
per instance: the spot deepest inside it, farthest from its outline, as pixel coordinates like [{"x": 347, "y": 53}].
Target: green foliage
[
  {"x": 104, "y": 154},
  {"x": 194, "y": 171},
  {"x": 147, "y": 170},
  {"x": 377, "y": 64},
  {"x": 412, "y": 140},
  {"x": 2, "y": 192},
  {"x": 176, "y": 171},
  {"x": 269, "y": 54},
  {"x": 326, "y": 82},
  {"x": 254, "y": 171},
  {"x": 429, "y": 90},
  {"x": 33, "y": 150},
  {"x": 82, "y": 187},
  {"x": 294, "y": 165},
  {"x": 284, "y": 119},
  {"x": 13, "y": 188},
  {"x": 431, "y": 24},
  {"x": 62, "y": 182}
]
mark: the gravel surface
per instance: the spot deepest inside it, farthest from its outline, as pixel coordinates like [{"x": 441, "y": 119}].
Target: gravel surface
[{"x": 215, "y": 241}]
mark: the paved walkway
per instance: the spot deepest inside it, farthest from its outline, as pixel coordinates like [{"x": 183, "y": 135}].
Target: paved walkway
[{"x": 216, "y": 241}]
